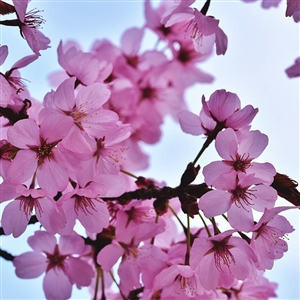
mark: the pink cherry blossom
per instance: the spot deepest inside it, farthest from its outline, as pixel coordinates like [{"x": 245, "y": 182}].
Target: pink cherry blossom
[
  {"x": 221, "y": 259},
  {"x": 108, "y": 152},
  {"x": 21, "y": 209},
  {"x": 203, "y": 30},
  {"x": 238, "y": 156},
  {"x": 294, "y": 70},
  {"x": 30, "y": 21},
  {"x": 181, "y": 280},
  {"x": 259, "y": 289},
  {"x": 62, "y": 263},
  {"x": 84, "y": 202},
  {"x": 83, "y": 66},
  {"x": 155, "y": 17},
  {"x": 11, "y": 83},
  {"x": 238, "y": 195},
  {"x": 86, "y": 110},
  {"x": 38, "y": 153},
  {"x": 268, "y": 236},
  {"x": 136, "y": 259},
  {"x": 225, "y": 107},
  {"x": 222, "y": 110},
  {"x": 185, "y": 64}
]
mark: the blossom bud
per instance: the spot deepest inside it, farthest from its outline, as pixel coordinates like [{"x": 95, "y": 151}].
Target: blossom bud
[
  {"x": 286, "y": 188},
  {"x": 189, "y": 174}
]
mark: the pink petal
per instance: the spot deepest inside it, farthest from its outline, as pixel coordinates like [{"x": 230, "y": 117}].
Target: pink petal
[
  {"x": 84, "y": 67},
  {"x": 265, "y": 197},
  {"x": 23, "y": 166},
  {"x": 221, "y": 41},
  {"x": 206, "y": 25},
  {"x": 190, "y": 123},
  {"x": 264, "y": 171},
  {"x": 64, "y": 98},
  {"x": 100, "y": 122},
  {"x": 96, "y": 218},
  {"x": 71, "y": 244},
  {"x": 25, "y": 61},
  {"x": 47, "y": 213},
  {"x": 242, "y": 117},
  {"x": 24, "y": 133},
  {"x": 253, "y": 144},
  {"x": 131, "y": 41},
  {"x": 185, "y": 271},
  {"x": 21, "y": 7},
  {"x": 215, "y": 203},
  {"x": 240, "y": 218},
  {"x": 8, "y": 191},
  {"x": 79, "y": 271},
  {"x": 223, "y": 104},
  {"x": 3, "y": 54},
  {"x": 226, "y": 181},
  {"x": 42, "y": 241},
  {"x": 30, "y": 265},
  {"x": 115, "y": 185},
  {"x": 35, "y": 39},
  {"x": 78, "y": 141},
  {"x": 52, "y": 176},
  {"x": 109, "y": 255},
  {"x": 14, "y": 220},
  {"x": 205, "y": 44},
  {"x": 209, "y": 274},
  {"x": 92, "y": 97},
  {"x": 245, "y": 259},
  {"x": 213, "y": 170},
  {"x": 166, "y": 277},
  {"x": 69, "y": 211},
  {"x": 55, "y": 127},
  {"x": 227, "y": 144},
  {"x": 56, "y": 285}
]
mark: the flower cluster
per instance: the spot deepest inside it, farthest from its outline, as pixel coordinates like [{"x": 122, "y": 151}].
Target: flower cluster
[{"x": 67, "y": 163}]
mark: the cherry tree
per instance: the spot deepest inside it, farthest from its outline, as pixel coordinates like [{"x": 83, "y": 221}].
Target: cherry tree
[{"x": 77, "y": 186}]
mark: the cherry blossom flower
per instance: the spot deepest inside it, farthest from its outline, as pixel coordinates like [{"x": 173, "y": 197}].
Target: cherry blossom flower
[
  {"x": 222, "y": 110},
  {"x": 30, "y": 21},
  {"x": 84, "y": 202},
  {"x": 11, "y": 83},
  {"x": 23, "y": 206},
  {"x": 136, "y": 259},
  {"x": 203, "y": 30},
  {"x": 86, "y": 110},
  {"x": 182, "y": 281},
  {"x": 108, "y": 152},
  {"x": 81, "y": 65},
  {"x": 294, "y": 70},
  {"x": 154, "y": 20},
  {"x": 62, "y": 263},
  {"x": 238, "y": 195},
  {"x": 221, "y": 259},
  {"x": 238, "y": 155},
  {"x": 185, "y": 64},
  {"x": 268, "y": 236},
  {"x": 38, "y": 153},
  {"x": 260, "y": 289}
]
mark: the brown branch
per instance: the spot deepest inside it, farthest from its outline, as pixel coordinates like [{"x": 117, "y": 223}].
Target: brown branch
[
  {"x": 6, "y": 255},
  {"x": 196, "y": 190}
]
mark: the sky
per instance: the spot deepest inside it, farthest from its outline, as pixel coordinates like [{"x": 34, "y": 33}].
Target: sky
[{"x": 262, "y": 44}]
